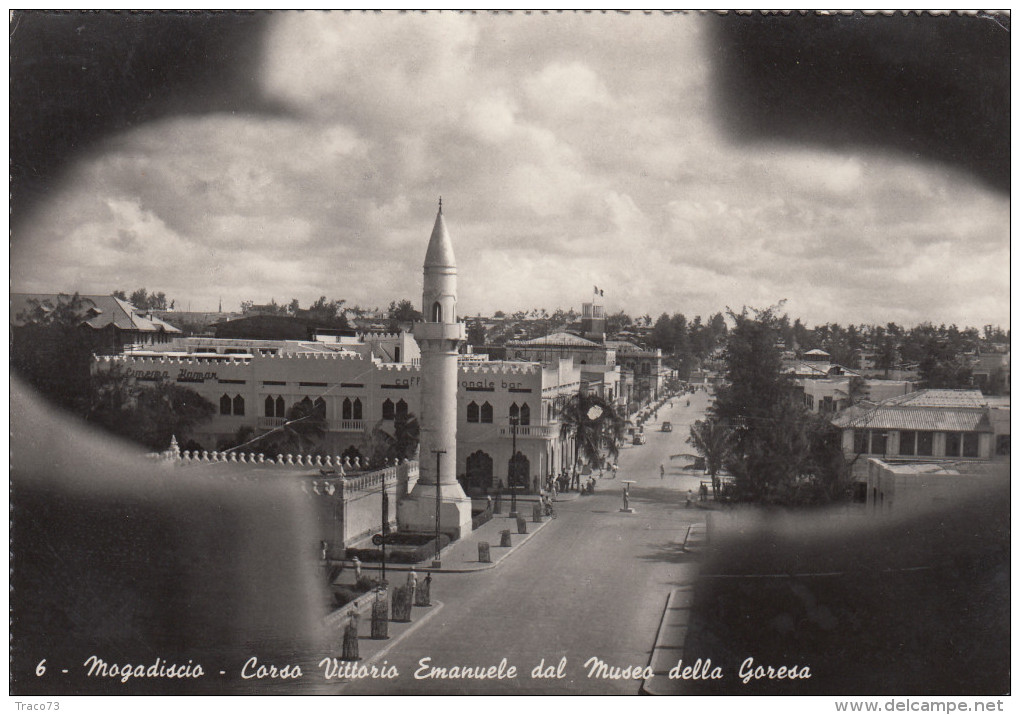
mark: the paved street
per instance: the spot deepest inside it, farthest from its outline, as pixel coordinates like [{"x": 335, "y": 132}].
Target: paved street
[{"x": 591, "y": 583}]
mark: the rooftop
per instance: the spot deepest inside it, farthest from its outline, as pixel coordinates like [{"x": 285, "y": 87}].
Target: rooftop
[
  {"x": 561, "y": 338},
  {"x": 928, "y": 410},
  {"x": 98, "y": 311}
]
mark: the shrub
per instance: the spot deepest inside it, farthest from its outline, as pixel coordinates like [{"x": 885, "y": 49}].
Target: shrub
[{"x": 402, "y": 553}]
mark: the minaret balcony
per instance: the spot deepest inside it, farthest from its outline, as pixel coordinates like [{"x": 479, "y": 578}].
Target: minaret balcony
[{"x": 440, "y": 331}]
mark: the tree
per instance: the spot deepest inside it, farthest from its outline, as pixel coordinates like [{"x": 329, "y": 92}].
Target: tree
[
  {"x": 149, "y": 416},
  {"x": 476, "y": 333},
  {"x": 662, "y": 335},
  {"x": 594, "y": 424},
  {"x": 301, "y": 433},
  {"x": 401, "y": 313},
  {"x": 780, "y": 452},
  {"x": 617, "y": 322},
  {"x": 712, "y": 440},
  {"x": 399, "y": 442},
  {"x": 942, "y": 366},
  {"x": 52, "y": 350}
]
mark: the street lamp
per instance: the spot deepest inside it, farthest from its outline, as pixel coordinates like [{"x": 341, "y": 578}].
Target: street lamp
[
  {"x": 512, "y": 476},
  {"x": 436, "y": 563}
]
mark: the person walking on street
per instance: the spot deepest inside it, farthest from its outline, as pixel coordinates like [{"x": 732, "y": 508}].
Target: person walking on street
[{"x": 662, "y": 471}]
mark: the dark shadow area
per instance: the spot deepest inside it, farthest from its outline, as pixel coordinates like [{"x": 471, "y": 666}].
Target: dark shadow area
[
  {"x": 77, "y": 77},
  {"x": 118, "y": 561},
  {"x": 918, "y": 604},
  {"x": 934, "y": 87}
]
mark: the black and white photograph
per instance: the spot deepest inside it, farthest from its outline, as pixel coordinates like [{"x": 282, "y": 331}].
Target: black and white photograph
[{"x": 501, "y": 353}]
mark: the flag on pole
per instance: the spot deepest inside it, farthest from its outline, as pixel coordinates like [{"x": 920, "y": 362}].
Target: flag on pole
[
  {"x": 596, "y": 290},
  {"x": 602, "y": 292}
]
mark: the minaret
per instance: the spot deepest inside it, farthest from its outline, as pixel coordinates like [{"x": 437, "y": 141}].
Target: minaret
[{"x": 439, "y": 336}]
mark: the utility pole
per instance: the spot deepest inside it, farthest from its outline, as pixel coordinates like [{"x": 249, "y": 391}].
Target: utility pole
[
  {"x": 512, "y": 476},
  {"x": 436, "y": 563},
  {"x": 385, "y": 525}
]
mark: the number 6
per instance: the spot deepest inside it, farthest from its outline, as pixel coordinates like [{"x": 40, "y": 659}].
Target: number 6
[{"x": 41, "y": 668}]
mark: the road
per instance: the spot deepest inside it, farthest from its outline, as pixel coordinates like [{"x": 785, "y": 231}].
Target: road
[{"x": 593, "y": 583}]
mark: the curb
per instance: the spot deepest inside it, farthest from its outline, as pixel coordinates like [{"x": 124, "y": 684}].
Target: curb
[
  {"x": 423, "y": 566},
  {"x": 669, "y": 644},
  {"x": 434, "y": 609}
]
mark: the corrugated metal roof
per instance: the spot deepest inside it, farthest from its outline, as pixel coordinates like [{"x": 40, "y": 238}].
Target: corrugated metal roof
[
  {"x": 920, "y": 418},
  {"x": 939, "y": 398}
]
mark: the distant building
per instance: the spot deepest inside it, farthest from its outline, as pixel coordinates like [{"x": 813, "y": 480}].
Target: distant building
[
  {"x": 114, "y": 324},
  {"x": 275, "y": 327},
  {"x": 991, "y": 372},
  {"x": 900, "y": 486},
  {"x": 194, "y": 322},
  {"x": 932, "y": 426},
  {"x": 620, "y": 370},
  {"x": 827, "y": 395}
]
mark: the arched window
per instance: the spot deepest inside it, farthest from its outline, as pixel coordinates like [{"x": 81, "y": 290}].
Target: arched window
[
  {"x": 437, "y": 312},
  {"x": 396, "y": 354},
  {"x": 401, "y": 411},
  {"x": 387, "y": 409},
  {"x": 225, "y": 405},
  {"x": 281, "y": 407},
  {"x": 525, "y": 414},
  {"x": 549, "y": 411},
  {"x": 518, "y": 471},
  {"x": 472, "y": 411},
  {"x": 515, "y": 412},
  {"x": 346, "y": 414},
  {"x": 486, "y": 413},
  {"x": 238, "y": 405},
  {"x": 320, "y": 407},
  {"x": 479, "y": 470},
  {"x": 306, "y": 405},
  {"x": 270, "y": 407},
  {"x": 357, "y": 409}
]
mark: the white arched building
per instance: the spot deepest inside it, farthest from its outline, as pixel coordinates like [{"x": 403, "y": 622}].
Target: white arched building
[{"x": 370, "y": 380}]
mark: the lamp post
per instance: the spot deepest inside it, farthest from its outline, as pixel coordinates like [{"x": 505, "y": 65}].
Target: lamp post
[
  {"x": 512, "y": 476},
  {"x": 436, "y": 563}
]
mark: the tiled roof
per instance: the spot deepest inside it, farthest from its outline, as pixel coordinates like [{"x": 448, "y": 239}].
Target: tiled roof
[
  {"x": 99, "y": 312},
  {"x": 958, "y": 411}
]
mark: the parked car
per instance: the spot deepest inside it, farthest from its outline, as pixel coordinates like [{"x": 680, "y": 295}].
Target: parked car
[
  {"x": 640, "y": 438},
  {"x": 667, "y": 426}
]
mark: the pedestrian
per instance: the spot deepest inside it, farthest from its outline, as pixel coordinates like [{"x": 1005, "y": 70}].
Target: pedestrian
[
  {"x": 662, "y": 471},
  {"x": 412, "y": 585},
  {"x": 704, "y": 491},
  {"x": 357, "y": 568},
  {"x": 615, "y": 467},
  {"x": 488, "y": 503},
  {"x": 688, "y": 498}
]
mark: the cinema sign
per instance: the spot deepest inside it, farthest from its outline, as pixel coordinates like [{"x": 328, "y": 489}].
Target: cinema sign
[{"x": 184, "y": 375}]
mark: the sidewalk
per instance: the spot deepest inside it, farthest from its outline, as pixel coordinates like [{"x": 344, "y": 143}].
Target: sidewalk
[
  {"x": 462, "y": 555},
  {"x": 672, "y": 634}
]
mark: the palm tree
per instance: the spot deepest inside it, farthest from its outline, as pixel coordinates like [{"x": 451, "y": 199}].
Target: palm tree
[
  {"x": 302, "y": 432},
  {"x": 400, "y": 442},
  {"x": 595, "y": 425},
  {"x": 712, "y": 440}
]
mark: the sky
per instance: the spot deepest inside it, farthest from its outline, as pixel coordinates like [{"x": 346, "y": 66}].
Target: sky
[{"x": 570, "y": 151}]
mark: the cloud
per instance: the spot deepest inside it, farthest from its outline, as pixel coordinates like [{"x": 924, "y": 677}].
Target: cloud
[{"x": 570, "y": 150}]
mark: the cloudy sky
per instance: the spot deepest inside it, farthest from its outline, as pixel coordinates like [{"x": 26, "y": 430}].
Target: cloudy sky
[{"x": 570, "y": 151}]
